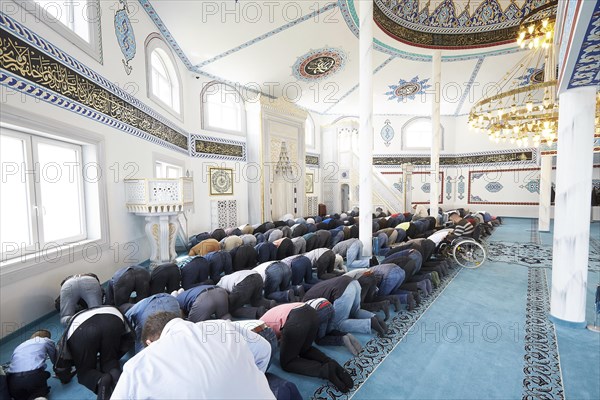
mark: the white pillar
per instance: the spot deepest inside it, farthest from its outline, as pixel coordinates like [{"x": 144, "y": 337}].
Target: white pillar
[
  {"x": 161, "y": 229},
  {"x": 572, "y": 210},
  {"x": 545, "y": 191},
  {"x": 434, "y": 171},
  {"x": 365, "y": 132},
  {"x": 407, "y": 172}
]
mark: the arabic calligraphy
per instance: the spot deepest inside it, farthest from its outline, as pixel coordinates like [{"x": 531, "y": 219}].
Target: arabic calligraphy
[{"x": 19, "y": 58}]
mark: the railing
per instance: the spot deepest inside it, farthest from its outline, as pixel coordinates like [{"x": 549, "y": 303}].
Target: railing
[
  {"x": 149, "y": 195},
  {"x": 382, "y": 192}
]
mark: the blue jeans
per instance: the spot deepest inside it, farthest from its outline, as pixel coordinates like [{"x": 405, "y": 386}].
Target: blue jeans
[
  {"x": 78, "y": 287},
  {"x": 278, "y": 280},
  {"x": 302, "y": 272},
  {"x": 354, "y": 256},
  {"x": 139, "y": 313},
  {"x": 349, "y": 317},
  {"x": 269, "y": 335},
  {"x": 392, "y": 279}
]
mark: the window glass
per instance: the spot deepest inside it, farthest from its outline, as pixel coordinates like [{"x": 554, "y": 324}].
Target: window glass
[
  {"x": 61, "y": 191},
  {"x": 15, "y": 209}
]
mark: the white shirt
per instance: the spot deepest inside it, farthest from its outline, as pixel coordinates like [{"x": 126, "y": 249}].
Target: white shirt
[
  {"x": 262, "y": 269},
  {"x": 228, "y": 282},
  {"x": 260, "y": 348},
  {"x": 194, "y": 361},
  {"x": 421, "y": 211}
]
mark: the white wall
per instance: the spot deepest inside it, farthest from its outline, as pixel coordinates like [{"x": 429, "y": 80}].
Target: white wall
[{"x": 29, "y": 294}]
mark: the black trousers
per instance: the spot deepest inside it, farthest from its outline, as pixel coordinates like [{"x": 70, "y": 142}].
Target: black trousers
[
  {"x": 296, "y": 351},
  {"x": 248, "y": 291},
  {"x": 165, "y": 279},
  {"x": 100, "y": 334},
  {"x": 29, "y": 385},
  {"x": 211, "y": 302},
  {"x": 135, "y": 280}
]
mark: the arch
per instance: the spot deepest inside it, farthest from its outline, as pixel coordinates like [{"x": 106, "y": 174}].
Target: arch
[
  {"x": 222, "y": 109},
  {"x": 412, "y": 134},
  {"x": 162, "y": 75}
]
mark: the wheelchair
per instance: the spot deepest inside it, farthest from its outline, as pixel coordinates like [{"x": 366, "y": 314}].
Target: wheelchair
[{"x": 468, "y": 252}]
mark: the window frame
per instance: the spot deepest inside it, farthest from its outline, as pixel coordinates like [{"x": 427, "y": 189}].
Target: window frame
[
  {"x": 204, "y": 110},
  {"x": 405, "y": 130},
  {"x": 30, "y": 187},
  {"x": 35, "y": 140},
  {"x": 155, "y": 42},
  {"x": 93, "y": 48},
  {"x": 27, "y": 264},
  {"x": 168, "y": 161}
]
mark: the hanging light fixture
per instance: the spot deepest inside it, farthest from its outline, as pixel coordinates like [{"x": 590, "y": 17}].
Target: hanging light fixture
[{"x": 529, "y": 113}]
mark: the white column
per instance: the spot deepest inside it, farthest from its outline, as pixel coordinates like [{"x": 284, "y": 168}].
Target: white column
[
  {"x": 434, "y": 170},
  {"x": 407, "y": 172},
  {"x": 545, "y": 190},
  {"x": 160, "y": 231},
  {"x": 365, "y": 132},
  {"x": 572, "y": 210}
]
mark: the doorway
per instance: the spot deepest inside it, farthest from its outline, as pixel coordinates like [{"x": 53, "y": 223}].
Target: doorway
[{"x": 345, "y": 197}]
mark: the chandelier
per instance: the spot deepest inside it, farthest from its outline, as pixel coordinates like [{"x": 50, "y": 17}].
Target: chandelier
[
  {"x": 528, "y": 113},
  {"x": 537, "y": 28}
]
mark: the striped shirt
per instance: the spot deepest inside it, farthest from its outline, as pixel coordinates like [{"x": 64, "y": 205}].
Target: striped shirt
[{"x": 463, "y": 228}]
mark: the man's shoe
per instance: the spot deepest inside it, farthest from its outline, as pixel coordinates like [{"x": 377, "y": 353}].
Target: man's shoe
[
  {"x": 291, "y": 296},
  {"x": 373, "y": 261},
  {"x": 300, "y": 291}
]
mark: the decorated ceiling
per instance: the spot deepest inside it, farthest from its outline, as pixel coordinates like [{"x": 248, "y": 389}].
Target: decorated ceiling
[
  {"x": 307, "y": 51},
  {"x": 453, "y": 24}
]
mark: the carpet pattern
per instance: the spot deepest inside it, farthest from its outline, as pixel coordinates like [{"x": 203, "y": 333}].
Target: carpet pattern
[
  {"x": 377, "y": 349},
  {"x": 534, "y": 255},
  {"x": 543, "y": 379}
]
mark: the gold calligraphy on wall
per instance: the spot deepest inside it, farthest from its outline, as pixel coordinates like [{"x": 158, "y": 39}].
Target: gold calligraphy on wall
[
  {"x": 520, "y": 156},
  {"x": 311, "y": 160},
  {"x": 224, "y": 149},
  {"x": 20, "y": 58}
]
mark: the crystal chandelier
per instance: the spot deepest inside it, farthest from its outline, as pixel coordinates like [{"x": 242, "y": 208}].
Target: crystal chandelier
[
  {"x": 527, "y": 114},
  {"x": 537, "y": 29}
]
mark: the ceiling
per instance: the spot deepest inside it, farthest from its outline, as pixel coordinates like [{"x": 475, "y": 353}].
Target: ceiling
[{"x": 307, "y": 51}]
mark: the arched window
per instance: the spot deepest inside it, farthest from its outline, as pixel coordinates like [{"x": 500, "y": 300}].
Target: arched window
[
  {"x": 309, "y": 132},
  {"x": 78, "y": 21},
  {"x": 416, "y": 134},
  {"x": 223, "y": 109},
  {"x": 164, "y": 84}
]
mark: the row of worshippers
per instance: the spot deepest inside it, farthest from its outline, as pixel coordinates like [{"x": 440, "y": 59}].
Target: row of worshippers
[
  {"x": 109, "y": 330},
  {"x": 339, "y": 300}
]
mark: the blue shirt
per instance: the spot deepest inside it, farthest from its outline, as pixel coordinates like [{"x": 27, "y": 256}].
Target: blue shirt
[
  {"x": 31, "y": 355},
  {"x": 186, "y": 299},
  {"x": 139, "y": 313}
]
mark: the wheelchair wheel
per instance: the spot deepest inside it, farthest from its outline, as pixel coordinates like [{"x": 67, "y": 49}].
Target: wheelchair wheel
[{"x": 469, "y": 254}]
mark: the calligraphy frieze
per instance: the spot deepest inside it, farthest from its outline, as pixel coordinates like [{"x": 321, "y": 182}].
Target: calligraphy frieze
[
  {"x": 492, "y": 158},
  {"x": 20, "y": 58},
  {"x": 223, "y": 149}
]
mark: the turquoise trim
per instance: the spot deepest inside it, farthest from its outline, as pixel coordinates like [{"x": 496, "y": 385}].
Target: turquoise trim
[{"x": 567, "y": 324}]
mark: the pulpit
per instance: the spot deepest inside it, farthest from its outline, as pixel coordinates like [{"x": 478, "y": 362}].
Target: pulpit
[{"x": 160, "y": 201}]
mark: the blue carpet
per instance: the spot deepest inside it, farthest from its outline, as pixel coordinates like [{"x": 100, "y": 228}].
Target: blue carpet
[{"x": 470, "y": 339}]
